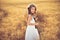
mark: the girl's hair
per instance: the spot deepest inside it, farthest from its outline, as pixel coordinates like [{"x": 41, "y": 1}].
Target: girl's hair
[{"x": 29, "y": 8}]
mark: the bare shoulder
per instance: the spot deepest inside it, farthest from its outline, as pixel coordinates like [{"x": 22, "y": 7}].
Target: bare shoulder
[{"x": 29, "y": 16}]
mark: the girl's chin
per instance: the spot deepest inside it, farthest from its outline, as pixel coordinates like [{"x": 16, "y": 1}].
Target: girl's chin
[{"x": 32, "y": 13}]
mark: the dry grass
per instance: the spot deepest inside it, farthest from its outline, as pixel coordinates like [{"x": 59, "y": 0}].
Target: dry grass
[{"x": 13, "y": 19}]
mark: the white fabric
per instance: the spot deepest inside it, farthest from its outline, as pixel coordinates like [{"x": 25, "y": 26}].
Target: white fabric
[{"x": 31, "y": 32}]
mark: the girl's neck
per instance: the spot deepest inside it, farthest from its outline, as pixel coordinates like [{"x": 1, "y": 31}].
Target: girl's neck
[{"x": 32, "y": 14}]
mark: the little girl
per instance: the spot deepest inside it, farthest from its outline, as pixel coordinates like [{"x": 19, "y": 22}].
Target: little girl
[{"x": 31, "y": 31}]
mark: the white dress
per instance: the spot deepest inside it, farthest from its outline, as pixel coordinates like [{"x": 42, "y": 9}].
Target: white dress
[{"x": 31, "y": 31}]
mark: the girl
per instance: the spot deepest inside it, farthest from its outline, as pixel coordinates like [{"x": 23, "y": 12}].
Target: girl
[{"x": 31, "y": 31}]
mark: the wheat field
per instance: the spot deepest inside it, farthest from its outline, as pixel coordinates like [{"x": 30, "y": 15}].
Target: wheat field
[{"x": 13, "y": 16}]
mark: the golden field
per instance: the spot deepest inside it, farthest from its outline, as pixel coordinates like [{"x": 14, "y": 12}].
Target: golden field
[{"x": 13, "y": 16}]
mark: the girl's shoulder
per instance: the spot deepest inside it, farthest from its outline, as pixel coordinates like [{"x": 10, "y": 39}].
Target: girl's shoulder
[{"x": 29, "y": 15}]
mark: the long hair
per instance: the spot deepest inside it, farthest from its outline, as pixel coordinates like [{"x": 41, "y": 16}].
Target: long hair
[{"x": 29, "y": 8}]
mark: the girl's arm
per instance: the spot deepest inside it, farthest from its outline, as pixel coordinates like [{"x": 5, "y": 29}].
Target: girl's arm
[{"x": 28, "y": 21}]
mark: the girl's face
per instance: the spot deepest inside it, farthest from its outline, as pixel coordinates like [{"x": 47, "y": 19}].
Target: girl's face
[{"x": 33, "y": 10}]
